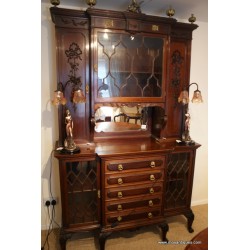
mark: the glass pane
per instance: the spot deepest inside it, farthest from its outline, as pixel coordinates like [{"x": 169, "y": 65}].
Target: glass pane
[
  {"x": 82, "y": 191},
  {"x": 129, "y": 67}
]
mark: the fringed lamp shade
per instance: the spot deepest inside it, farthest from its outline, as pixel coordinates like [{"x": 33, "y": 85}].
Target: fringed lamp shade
[
  {"x": 79, "y": 96},
  {"x": 197, "y": 98},
  {"x": 59, "y": 98}
]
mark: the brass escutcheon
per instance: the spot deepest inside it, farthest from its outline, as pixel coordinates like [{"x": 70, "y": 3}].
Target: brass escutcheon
[
  {"x": 151, "y": 191},
  {"x": 120, "y": 167},
  {"x": 119, "y": 207},
  {"x": 152, "y": 164},
  {"x": 150, "y": 203},
  {"x": 119, "y": 194},
  {"x": 108, "y": 23},
  {"x": 155, "y": 27},
  {"x": 152, "y": 177},
  {"x": 150, "y": 215},
  {"x": 120, "y": 181}
]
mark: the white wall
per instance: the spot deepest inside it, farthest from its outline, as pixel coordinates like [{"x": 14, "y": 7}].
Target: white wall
[
  {"x": 49, "y": 131},
  {"x": 199, "y": 112},
  {"x": 49, "y": 127}
]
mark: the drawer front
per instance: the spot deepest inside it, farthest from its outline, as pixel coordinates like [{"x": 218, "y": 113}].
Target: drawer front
[
  {"x": 119, "y": 206},
  {"x": 134, "y": 164},
  {"x": 123, "y": 179},
  {"x": 131, "y": 191},
  {"x": 137, "y": 216}
]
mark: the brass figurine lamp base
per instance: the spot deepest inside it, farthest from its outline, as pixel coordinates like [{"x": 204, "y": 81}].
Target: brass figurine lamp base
[
  {"x": 69, "y": 144},
  {"x": 184, "y": 99}
]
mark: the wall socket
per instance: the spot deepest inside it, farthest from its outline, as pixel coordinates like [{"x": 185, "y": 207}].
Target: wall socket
[{"x": 50, "y": 199}]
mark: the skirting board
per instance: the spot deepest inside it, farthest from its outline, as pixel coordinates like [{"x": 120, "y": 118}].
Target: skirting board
[
  {"x": 199, "y": 202},
  {"x": 46, "y": 227}
]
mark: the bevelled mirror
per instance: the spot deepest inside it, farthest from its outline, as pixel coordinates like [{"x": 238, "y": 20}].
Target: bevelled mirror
[{"x": 122, "y": 118}]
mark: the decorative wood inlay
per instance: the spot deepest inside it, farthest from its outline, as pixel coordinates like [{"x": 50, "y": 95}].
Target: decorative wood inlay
[
  {"x": 108, "y": 23},
  {"x": 73, "y": 21},
  {"x": 155, "y": 28},
  {"x": 176, "y": 60}
]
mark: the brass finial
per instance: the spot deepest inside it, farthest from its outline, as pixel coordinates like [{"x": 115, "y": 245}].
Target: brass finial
[
  {"x": 91, "y": 3},
  {"x": 170, "y": 12},
  {"x": 135, "y": 7},
  {"x": 55, "y": 2},
  {"x": 192, "y": 19}
]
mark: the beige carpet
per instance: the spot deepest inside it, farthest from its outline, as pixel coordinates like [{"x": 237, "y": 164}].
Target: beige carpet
[{"x": 146, "y": 238}]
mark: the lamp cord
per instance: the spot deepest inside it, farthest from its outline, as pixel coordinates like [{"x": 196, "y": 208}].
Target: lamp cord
[
  {"x": 53, "y": 212},
  {"x": 49, "y": 230}
]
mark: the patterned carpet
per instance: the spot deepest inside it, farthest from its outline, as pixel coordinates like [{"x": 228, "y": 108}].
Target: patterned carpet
[{"x": 146, "y": 238}]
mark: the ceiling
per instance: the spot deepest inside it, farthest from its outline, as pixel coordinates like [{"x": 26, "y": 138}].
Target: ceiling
[{"x": 183, "y": 8}]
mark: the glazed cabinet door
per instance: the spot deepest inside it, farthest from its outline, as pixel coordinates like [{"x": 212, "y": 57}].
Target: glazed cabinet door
[
  {"x": 128, "y": 68},
  {"x": 80, "y": 193},
  {"x": 179, "y": 182}
]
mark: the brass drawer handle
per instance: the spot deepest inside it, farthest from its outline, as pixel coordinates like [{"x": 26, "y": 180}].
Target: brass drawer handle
[
  {"x": 150, "y": 203},
  {"x": 150, "y": 215},
  {"x": 152, "y": 164},
  {"x": 120, "y": 181},
  {"x": 119, "y": 207},
  {"x": 119, "y": 194},
  {"x": 151, "y": 191},
  {"x": 120, "y": 167},
  {"x": 152, "y": 177},
  {"x": 119, "y": 218}
]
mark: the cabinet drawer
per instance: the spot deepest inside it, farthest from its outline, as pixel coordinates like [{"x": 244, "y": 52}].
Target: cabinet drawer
[
  {"x": 133, "y": 164},
  {"x": 132, "y": 191},
  {"x": 133, "y": 178},
  {"x": 119, "y": 206},
  {"x": 133, "y": 215}
]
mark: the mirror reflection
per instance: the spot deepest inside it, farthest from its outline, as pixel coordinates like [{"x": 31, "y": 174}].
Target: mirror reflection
[{"x": 123, "y": 118}]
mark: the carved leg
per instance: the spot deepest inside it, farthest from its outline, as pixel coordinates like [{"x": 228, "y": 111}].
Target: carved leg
[
  {"x": 164, "y": 229},
  {"x": 190, "y": 217},
  {"x": 63, "y": 239},
  {"x": 102, "y": 239}
]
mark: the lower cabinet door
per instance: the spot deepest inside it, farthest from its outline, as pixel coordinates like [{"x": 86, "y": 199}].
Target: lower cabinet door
[{"x": 79, "y": 192}]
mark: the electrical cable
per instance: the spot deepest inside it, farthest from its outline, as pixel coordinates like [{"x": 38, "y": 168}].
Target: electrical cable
[
  {"x": 50, "y": 229},
  {"x": 53, "y": 213},
  {"x": 50, "y": 174}
]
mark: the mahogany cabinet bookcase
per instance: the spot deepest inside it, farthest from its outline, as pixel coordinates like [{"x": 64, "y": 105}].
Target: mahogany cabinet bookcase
[{"x": 130, "y": 171}]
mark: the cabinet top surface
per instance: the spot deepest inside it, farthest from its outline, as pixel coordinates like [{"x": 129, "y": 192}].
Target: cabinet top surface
[{"x": 132, "y": 147}]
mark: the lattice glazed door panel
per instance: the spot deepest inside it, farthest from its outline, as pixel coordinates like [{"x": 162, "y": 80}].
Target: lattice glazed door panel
[
  {"x": 129, "y": 67},
  {"x": 81, "y": 199},
  {"x": 178, "y": 176}
]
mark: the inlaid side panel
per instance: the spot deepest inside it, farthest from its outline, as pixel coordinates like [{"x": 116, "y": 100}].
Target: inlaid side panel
[
  {"x": 178, "y": 80},
  {"x": 73, "y": 66}
]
